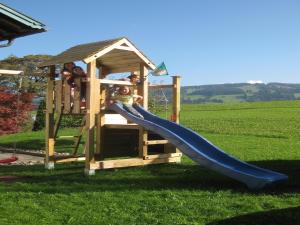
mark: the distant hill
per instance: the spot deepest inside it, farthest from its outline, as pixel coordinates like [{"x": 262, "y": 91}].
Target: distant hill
[{"x": 238, "y": 92}]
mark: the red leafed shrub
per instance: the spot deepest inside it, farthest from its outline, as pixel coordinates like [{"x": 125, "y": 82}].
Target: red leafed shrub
[{"x": 13, "y": 113}]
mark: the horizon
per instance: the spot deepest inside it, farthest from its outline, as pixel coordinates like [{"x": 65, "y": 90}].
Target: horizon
[{"x": 207, "y": 43}]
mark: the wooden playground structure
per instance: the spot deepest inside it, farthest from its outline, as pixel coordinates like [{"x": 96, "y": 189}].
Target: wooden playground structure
[{"x": 110, "y": 140}]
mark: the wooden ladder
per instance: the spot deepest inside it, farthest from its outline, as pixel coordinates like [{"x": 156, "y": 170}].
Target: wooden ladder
[{"x": 77, "y": 138}]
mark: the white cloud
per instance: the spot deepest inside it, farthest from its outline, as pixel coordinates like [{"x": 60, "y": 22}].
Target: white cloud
[{"x": 255, "y": 82}]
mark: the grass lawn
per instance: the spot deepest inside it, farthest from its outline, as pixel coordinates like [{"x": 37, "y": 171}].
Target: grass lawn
[{"x": 265, "y": 134}]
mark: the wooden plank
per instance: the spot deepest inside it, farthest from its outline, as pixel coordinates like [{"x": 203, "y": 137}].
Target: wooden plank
[
  {"x": 65, "y": 137},
  {"x": 10, "y": 72},
  {"x": 49, "y": 130},
  {"x": 156, "y": 142},
  {"x": 109, "y": 164},
  {"x": 69, "y": 160},
  {"x": 58, "y": 96},
  {"x": 163, "y": 156},
  {"x": 162, "y": 160},
  {"x": 67, "y": 97},
  {"x": 118, "y": 82},
  {"x": 120, "y": 163},
  {"x": 77, "y": 99}
]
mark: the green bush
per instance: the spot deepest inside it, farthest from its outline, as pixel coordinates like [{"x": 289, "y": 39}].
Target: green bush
[
  {"x": 66, "y": 121},
  {"x": 39, "y": 122}
]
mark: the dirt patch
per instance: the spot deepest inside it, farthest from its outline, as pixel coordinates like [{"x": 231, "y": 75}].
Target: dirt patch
[{"x": 22, "y": 159}]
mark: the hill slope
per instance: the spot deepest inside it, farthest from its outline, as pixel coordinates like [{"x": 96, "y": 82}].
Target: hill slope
[{"x": 239, "y": 92}]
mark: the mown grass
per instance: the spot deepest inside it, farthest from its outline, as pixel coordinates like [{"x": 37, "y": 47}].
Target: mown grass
[{"x": 265, "y": 134}]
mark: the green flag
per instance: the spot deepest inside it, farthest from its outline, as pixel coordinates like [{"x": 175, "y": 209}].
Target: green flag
[{"x": 160, "y": 70}]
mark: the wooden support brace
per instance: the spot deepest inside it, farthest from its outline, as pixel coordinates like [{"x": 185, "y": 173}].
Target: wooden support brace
[{"x": 49, "y": 131}]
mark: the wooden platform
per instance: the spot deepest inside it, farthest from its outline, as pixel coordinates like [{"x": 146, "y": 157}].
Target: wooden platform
[
  {"x": 119, "y": 163},
  {"x": 155, "y": 159}
]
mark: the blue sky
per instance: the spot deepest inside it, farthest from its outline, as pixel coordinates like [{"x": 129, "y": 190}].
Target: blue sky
[{"x": 206, "y": 42}]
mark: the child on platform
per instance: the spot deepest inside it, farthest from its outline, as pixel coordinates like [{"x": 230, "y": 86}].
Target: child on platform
[{"x": 125, "y": 96}]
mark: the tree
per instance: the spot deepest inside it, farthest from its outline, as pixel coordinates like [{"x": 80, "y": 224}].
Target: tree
[
  {"x": 33, "y": 79},
  {"x": 14, "y": 110},
  {"x": 39, "y": 122}
]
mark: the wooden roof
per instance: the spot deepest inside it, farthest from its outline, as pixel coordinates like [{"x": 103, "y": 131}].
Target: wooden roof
[
  {"x": 116, "y": 55},
  {"x": 14, "y": 24}
]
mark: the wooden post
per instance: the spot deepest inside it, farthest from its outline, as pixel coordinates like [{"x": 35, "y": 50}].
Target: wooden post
[
  {"x": 67, "y": 96},
  {"x": 176, "y": 98},
  {"x": 143, "y": 91},
  {"x": 49, "y": 135},
  {"x": 90, "y": 117},
  {"x": 100, "y": 116},
  {"x": 77, "y": 97}
]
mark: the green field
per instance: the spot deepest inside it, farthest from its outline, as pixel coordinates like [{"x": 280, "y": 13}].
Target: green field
[{"x": 266, "y": 134}]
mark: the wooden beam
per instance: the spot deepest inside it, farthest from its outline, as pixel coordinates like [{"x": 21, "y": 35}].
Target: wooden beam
[
  {"x": 176, "y": 98},
  {"x": 163, "y": 156},
  {"x": 10, "y": 72},
  {"x": 144, "y": 58},
  {"x": 69, "y": 160},
  {"x": 49, "y": 131},
  {"x": 120, "y": 163},
  {"x": 90, "y": 116},
  {"x": 117, "y": 82},
  {"x": 143, "y": 91},
  {"x": 143, "y": 137},
  {"x": 77, "y": 97},
  {"x": 144, "y": 84},
  {"x": 58, "y": 95},
  {"x": 57, "y": 124},
  {"x": 126, "y": 48},
  {"x": 67, "y": 96},
  {"x": 104, "y": 51},
  {"x": 156, "y": 142},
  {"x": 100, "y": 115}
]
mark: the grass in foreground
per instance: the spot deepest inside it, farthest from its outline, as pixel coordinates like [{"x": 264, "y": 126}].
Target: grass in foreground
[{"x": 265, "y": 134}]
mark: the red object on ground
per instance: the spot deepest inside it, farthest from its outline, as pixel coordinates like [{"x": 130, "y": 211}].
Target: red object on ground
[
  {"x": 9, "y": 160},
  {"x": 9, "y": 178}
]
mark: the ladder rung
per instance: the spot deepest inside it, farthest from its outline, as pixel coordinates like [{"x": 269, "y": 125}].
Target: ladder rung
[
  {"x": 61, "y": 137},
  {"x": 156, "y": 142}
]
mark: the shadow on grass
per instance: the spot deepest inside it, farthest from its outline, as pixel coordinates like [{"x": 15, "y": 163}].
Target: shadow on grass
[
  {"x": 32, "y": 144},
  {"x": 70, "y": 178},
  {"x": 38, "y": 144},
  {"x": 287, "y": 216}
]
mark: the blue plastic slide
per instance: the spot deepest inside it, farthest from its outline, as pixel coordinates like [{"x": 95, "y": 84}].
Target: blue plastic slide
[{"x": 202, "y": 151}]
